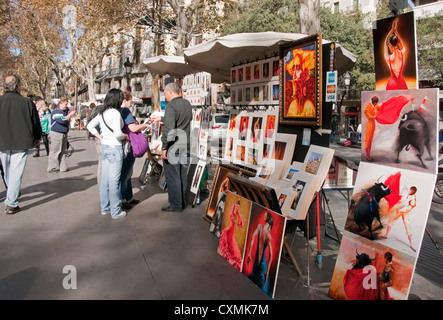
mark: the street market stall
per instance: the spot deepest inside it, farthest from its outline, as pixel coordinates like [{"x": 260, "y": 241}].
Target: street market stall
[{"x": 262, "y": 138}]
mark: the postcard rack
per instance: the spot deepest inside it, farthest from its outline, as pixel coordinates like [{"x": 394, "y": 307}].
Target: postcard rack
[{"x": 264, "y": 196}]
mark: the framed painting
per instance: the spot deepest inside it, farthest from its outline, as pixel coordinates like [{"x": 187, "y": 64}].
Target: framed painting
[
  {"x": 197, "y": 176},
  {"x": 300, "y": 81},
  {"x": 240, "y": 95},
  {"x": 240, "y": 75},
  {"x": 248, "y": 73},
  {"x": 266, "y": 70},
  {"x": 257, "y": 72},
  {"x": 233, "y": 75}
]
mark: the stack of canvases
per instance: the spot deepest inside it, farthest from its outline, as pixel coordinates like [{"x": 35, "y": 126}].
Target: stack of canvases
[
  {"x": 251, "y": 240},
  {"x": 395, "y": 181}
]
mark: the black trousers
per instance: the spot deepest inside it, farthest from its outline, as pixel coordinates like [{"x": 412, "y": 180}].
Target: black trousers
[
  {"x": 176, "y": 173},
  {"x": 45, "y": 142}
]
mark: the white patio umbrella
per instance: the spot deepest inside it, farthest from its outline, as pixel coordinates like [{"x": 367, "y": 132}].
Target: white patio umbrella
[
  {"x": 217, "y": 56},
  {"x": 169, "y": 65}
]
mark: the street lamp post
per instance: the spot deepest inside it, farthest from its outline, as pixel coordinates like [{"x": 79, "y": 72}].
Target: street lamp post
[
  {"x": 347, "y": 81},
  {"x": 128, "y": 70},
  {"x": 58, "y": 86}
]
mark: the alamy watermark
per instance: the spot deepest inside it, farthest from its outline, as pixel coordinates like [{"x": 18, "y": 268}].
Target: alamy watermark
[{"x": 70, "y": 280}]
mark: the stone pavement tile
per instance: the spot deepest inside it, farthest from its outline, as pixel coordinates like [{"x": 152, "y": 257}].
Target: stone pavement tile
[{"x": 108, "y": 265}]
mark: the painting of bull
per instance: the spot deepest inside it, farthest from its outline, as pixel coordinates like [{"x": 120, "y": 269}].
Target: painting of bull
[
  {"x": 366, "y": 209},
  {"x": 413, "y": 132},
  {"x": 362, "y": 260},
  {"x": 405, "y": 130}
]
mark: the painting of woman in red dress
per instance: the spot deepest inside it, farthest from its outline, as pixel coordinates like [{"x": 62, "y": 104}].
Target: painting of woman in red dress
[
  {"x": 395, "y": 54},
  {"x": 234, "y": 228}
]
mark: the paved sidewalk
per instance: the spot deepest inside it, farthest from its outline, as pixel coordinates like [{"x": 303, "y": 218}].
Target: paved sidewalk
[{"x": 147, "y": 255}]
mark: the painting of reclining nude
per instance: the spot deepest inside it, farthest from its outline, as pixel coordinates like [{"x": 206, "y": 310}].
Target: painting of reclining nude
[{"x": 400, "y": 128}]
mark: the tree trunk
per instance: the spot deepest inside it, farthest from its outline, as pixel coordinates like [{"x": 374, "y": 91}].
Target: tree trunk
[
  {"x": 91, "y": 90},
  {"x": 309, "y": 16}
]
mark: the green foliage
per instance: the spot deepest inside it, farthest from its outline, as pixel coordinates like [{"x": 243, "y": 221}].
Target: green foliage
[
  {"x": 351, "y": 33},
  {"x": 261, "y": 16},
  {"x": 283, "y": 16},
  {"x": 430, "y": 48}
]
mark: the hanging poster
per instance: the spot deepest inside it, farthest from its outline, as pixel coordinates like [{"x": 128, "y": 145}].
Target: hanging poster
[{"x": 395, "y": 53}]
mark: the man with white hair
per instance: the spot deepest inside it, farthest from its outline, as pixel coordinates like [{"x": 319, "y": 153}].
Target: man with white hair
[
  {"x": 175, "y": 146},
  {"x": 20, "y": 130}
]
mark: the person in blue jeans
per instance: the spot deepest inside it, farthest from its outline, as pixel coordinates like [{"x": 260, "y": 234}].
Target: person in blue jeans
[
  {"x": 20, "y": 130},
  {"x": 126, "y": 195},
  {"x": 112, "y": 136}
]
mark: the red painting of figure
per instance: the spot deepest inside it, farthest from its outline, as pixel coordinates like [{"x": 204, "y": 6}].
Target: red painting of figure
[{"x": 394, "y": 53}]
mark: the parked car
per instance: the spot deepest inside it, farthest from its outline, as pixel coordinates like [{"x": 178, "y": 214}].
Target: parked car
[{"x": 218, "y": 126}]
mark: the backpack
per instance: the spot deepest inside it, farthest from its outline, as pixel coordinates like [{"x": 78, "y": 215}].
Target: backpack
[{"x": 45, "y": 122}]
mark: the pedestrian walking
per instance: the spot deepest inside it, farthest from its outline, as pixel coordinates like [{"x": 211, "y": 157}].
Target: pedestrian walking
[
  {"x": 127, "y": 196},
  {"x": 20, "y": 130},
  {"x": 45, "y": 121},
  {"x": 58, "y": 137},
  {"x": 111, "y": 123},
  {"x": 175, "y": 146}
]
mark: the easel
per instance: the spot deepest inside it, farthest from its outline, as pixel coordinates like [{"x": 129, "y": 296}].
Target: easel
[
  {"x": 264, "y": 196},
  {"x": 326, "y": 201},
  {"x": 150, "y": 166}
]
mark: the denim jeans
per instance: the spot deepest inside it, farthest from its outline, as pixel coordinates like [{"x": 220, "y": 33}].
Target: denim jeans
[
  {"x": 125, "y": 179},
  {"x": 112, "y": 159},
  {"x": 14, "y": 162}
]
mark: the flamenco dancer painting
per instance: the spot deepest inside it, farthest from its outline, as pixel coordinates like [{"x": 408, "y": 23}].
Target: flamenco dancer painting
[
  {"x": 394, "y": 53},
  {"x": 263, "y": 248},
  {"x": 260, "y": 270},
  {"x": 234, "y": 228}
]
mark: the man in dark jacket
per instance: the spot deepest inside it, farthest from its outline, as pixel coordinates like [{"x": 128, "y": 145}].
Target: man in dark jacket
[
  {"x": 175, "y": 146},
  {"x": 19, "y": 131}
]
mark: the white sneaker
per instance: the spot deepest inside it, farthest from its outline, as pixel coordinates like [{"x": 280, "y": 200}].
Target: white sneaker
[
  {"x": 120, "y": 215},
  {"x": 105, "y": 213}
]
